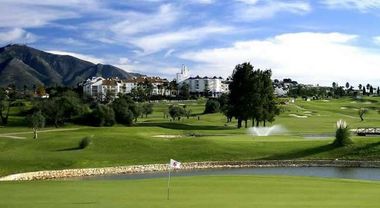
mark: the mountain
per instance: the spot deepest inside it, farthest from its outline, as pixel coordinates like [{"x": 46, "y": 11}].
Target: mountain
[{"x": 22, "y": 65}]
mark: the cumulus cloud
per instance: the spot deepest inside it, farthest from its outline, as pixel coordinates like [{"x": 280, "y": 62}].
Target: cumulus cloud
[
  {"x": 263, "y": 9},
  {"x": 307, "y": 57},
  {"x": 16, "y": 35},
  {"x": 85, "y": 57},
  {"x": 362, "y": 5}
]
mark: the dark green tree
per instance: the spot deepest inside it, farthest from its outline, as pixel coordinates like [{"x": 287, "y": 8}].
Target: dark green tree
[
  {"x": 103, "y": 115},
  {"x": 5, "y": 105},
  {"x": 176, "y": 112},
  {"x": 212, "y": 106},
  {"x": 123, "y": 114},
  {"x": 240, "y": 90},
  {"x": 147, "y": 108},
  {"x": 184, "y": 91}
]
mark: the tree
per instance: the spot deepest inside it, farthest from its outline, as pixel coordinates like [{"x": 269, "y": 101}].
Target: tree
[
  {"x": 176, "y": 112},
  {"x": 240, "y": 92},
  {"x": 334, "y": 85},
  {"x": 362, "y": 112},
  {"x": 123, "y": 114},
  {"x": 147, "y": 108},
  {"x": 36, "y": 121},
  {"x": 360, "y": 86},
  {"x": 212, "y": 106},
  {"x": 173, "y": 87},
  {"x": 225, "y": 107},
  {"x": 5, "y": 105},
  {"x": 269, "y": 105},
  {"x": 347, "y": 85},
  {"x": 64, "y": 107},
  {"x": 148, "y": 87},
  {"x": 184, "y": 91},
  {"x": 139, "y": 94},
  {"x": 251, "y": 95},
  {"x": 103, "y": 115}
]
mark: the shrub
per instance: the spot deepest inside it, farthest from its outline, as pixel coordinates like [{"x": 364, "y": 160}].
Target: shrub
[
  {"x": 84, "y": 143},
  {"x": 212, "y": 106},
  {"x": 342, "y": 135}
]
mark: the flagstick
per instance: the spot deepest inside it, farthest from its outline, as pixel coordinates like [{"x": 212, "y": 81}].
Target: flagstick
[{"x": 169, "y": 183}]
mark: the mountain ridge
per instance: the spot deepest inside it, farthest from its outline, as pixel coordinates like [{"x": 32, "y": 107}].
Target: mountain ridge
[{"x": 22, "y": 65}]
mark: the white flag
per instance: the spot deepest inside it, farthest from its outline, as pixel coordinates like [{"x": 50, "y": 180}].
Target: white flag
[{"x": 175, "y": 164}]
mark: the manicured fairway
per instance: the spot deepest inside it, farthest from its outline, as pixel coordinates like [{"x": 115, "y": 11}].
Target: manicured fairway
[
  {"x": 206, "y": 139},
  {"x": 204, "y": 191}
]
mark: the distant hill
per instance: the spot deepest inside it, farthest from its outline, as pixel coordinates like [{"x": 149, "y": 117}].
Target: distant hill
[{"x": 22, "y": 65}]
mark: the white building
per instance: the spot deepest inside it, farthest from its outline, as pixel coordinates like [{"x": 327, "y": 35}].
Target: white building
[
  {"x": 211, "y": 86},
  {"x": 183, "y": 75},
  {"x": 99, "y": 87}
]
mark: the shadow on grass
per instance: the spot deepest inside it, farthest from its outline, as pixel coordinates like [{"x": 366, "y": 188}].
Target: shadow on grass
[
  {"x": 301, "y": 153},
  {"x": 181, "y": 126},
  {"x": 69, "y": 149}
]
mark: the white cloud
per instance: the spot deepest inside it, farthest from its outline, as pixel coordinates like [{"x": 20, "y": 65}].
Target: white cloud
[
  {"x": 169, "y": 53},
  {"x": 202, "y": 1},
  {"x": 362, "y": 5},
  {"x": 70, "y": 42},
  {"x": 259, "y": 9},
  {"x": 85, "y": 57},
  {"x": 134, "y": 23},
  {"x": 157, "y": 42},
  {"x": 27, "y": 14},
  {"x": 307, "y": 57},
  {"x": 376, "y": 40},
  {"x": 16, "y": 35}
]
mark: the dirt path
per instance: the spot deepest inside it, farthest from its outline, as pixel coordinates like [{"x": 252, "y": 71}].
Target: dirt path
[{"x": 14, "y": 135}]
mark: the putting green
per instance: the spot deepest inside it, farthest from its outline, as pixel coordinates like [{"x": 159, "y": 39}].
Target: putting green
[{"x": 202, "y": 191}]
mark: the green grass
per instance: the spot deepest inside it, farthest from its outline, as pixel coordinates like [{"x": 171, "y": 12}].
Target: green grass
[
  {"x": 201, "y": 191},
  {"x": 214, "y": 140}
]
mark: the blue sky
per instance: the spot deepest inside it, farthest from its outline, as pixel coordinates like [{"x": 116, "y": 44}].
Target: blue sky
[{"x": 317, "y": 41}]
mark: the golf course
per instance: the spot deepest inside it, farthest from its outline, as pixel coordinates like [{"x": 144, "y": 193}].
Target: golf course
[{"x": 308, "y": 130}]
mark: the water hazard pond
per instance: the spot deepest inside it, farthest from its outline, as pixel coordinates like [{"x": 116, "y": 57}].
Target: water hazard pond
[{"x": 326, "y": 172}]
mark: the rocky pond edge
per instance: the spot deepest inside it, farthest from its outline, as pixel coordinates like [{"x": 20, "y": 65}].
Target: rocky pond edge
[{"x": 83, "y": 172}]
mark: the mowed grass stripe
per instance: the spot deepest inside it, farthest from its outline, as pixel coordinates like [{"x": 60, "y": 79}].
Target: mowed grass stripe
[{"x": 201, "y": 191}]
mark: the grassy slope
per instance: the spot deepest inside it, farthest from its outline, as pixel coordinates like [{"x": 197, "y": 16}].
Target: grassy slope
[
  {"x": 202, "y": 191},
  {"x": 137, "y": 145}
]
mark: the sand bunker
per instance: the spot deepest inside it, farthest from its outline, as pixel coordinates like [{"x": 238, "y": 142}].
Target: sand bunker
[{"x": 297, "y": 116}]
